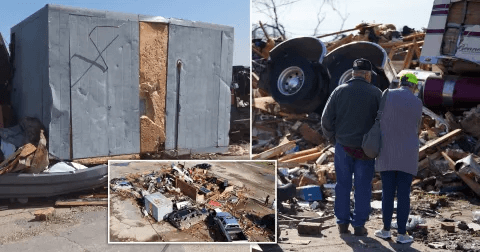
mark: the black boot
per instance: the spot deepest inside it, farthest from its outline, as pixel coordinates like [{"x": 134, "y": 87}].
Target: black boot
[
  {"x": 343, "y": 228},
  {"x": 360, "y": 231}
]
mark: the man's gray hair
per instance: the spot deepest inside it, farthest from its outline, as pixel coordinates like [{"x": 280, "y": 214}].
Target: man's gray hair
[{"x": 360, "y": 72}]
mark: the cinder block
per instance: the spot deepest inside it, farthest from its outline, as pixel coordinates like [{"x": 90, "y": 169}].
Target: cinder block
[{"x": 158, "y": 206}]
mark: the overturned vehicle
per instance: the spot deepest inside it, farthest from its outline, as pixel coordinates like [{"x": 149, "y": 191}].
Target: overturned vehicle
[{"x": 300, "y": 74}]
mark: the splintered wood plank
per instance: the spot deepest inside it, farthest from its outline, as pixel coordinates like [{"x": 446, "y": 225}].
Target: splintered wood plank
[
  {"x": 59, "y": 203},
  {"x": 275, "y": 151},
  {"x": 104, "y": 160},
  {"x": 444, "y": 139}
]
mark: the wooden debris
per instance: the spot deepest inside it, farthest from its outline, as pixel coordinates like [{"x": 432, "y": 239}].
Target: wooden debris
[
  {"x": 296, "y": 242},
  {"x": 255, "y": 80},
  {"x": 444, "y": 139},
  {"x": 470, "y": 182},
  {"x": 415, "y": 36},
  {"x": 94, "y": 196},
  {"x": 40, "y": 159},
  {"x": 104, "y": 160},
  {"x": 305, "y": 180},
  {"x": 276, "y": 151},
  {"x": 44, "y": 214},
  {"x": 450, "y": 227},
  {"x": 306, "y": 158},
  {"x": 11, "y": 161},
  {"x": 426, "y": 161},
  {"x": 456, "y": 154},
  {"x": 471, "y": 122},
  {"x": 324, "y": 157},
  {"x": 81, "y": 202},
  {"x": 359, "y": 27},
  {"x": 340, "y": 42},
  {"x": 27, "y": 150},
  {"x": 300, "y": 153},
  {"x": 266, "y": 104},
  {"x": 408, "y": 59},
  {"x": 311, "y": 135}
]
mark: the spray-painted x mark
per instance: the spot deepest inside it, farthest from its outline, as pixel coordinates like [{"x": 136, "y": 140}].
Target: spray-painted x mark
[{"x": 94, "y": 62}]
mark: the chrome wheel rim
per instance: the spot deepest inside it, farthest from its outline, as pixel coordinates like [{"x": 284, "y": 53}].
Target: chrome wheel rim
[{"x": 290, "y": 80}]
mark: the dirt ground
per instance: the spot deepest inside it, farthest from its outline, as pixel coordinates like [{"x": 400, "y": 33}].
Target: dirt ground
[
  {"x": 459, "y": 208},
  {"x": 75, "y": 229},
  {"x": 128, "y": 224}
]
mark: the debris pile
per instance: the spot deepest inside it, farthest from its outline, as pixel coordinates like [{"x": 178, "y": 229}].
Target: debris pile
[
  {"x": 190, "y": 198},
  {"x": 403, "y": 46},
  {"x": 447, "y": 180}
]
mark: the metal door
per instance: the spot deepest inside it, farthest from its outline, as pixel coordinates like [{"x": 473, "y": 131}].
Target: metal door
[
  {"x": 198, "y": 88},
  {"x": 104, "y": 86}
]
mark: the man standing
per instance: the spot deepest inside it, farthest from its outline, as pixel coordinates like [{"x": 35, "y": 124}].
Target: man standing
[{"x": 349, "y": 114}]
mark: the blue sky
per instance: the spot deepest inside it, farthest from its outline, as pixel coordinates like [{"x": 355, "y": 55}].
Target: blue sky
[{"x": 231, "y": 13}]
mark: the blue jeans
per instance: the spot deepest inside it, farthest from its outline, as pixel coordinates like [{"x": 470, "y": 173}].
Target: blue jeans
[
  {"x": 400, "y": 182},
  {"x": 363, "y": 170}
]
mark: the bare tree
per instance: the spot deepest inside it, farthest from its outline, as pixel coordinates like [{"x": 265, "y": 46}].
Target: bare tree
[
  {"x": 343, "y": 17},
  {"x": 272, "y": 9},
  {"x": 320, "y": 17}
]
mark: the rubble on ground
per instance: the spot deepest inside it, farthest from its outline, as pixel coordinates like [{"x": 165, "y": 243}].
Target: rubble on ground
[
  {"x": 449, "y": 150},
  {"x": 190, "y": 198},
  {"x": 447, "y": 181}
]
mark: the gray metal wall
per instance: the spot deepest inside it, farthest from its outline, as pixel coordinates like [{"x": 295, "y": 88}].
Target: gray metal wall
[
  {"x": 30, "y": 79},
  {"x": 104, "y": 86},
  {"x": 198, "y": 90},
  {"x": 91, "y": 107}
]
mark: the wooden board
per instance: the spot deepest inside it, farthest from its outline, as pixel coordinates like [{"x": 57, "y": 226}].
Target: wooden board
[
  {"x": 300, "y": 153},
  {"x": 446, "y": 138},
  {"x": 275, "y": 151},
  {"x": 470, "y": 182},
  {"x": 306, "y": 158},
  {"x": 81, "y": 203},
  {"x": 104, "y": 160}
]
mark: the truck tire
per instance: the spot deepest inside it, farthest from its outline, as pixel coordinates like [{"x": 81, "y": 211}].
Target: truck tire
[
  {"x": 339, "y": 63},
  {"x": 294, "y": 84},
  {"x": 342, "y": 73}
]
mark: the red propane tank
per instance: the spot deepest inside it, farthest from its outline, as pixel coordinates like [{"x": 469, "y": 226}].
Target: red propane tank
[{"x": 451, "y": 91}]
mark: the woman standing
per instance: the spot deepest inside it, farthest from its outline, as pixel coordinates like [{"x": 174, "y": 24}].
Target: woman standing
[{"x": 398, "y": 158}]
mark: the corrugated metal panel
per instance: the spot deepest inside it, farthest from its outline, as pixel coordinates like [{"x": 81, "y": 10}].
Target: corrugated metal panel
[
  {"x": 104, "y": 86},
  {"x": 198, "y": 95},
  {"x": 224, "y": 101},
  {"x": 56, "y": 101},
  {"x": 31, "y": 66}
]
